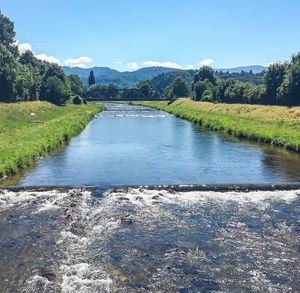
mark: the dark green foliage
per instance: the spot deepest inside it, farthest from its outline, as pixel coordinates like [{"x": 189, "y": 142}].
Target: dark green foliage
[
  {"x": 25, "y": 78},
  {"x": 55, "y": 91},
  {"x": 281, "y": 86},
  {"x": 273, "y": 79},
  {"x": 76, "y": 85},
  {"x": 179, "y": 88},
  {"x": 8, "y": 75},
  {"x": 256, "y": 78},
  {"x": 163, "y": 80},
  {"x": 102, "y": 92},
  {"x": 7, "y": 34},
  {"x": 92, "y": 80},
  {"x": 205, "y": 72},
  {"x": 77, "y": 100}
]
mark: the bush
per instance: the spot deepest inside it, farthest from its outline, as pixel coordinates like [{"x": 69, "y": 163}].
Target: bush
[{"x": 77, "y": 100}]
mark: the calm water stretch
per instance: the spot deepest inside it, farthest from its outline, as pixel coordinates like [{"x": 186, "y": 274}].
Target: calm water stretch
[
  {"x": 143, "y": 240},
  {"x": 136, "y": 145}
]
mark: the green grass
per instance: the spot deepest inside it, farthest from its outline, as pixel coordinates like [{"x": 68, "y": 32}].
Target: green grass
[
  {"x": 23, "y": 141},
  {"x": 277, "y": 125}
]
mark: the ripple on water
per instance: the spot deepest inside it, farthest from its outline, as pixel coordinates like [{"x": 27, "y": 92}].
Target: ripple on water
[{"x": 141, "y": 240}]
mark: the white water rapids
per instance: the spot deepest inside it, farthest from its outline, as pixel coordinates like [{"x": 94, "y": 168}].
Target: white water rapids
[{"x": 142, "y": 240}]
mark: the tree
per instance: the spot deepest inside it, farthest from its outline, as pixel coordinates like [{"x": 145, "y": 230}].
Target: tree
[
  {"x": 112, "y": 91},
  {"x": 8, "y": 75},
  {"x": 205, "y": 72},
  {"x": 200, "y": 87},
  {"x": 146, "y": 88},
  {"x": 56, "y": 91},
  {"x": 92, "y": 78},
  {"x": 289, "y": 91},
  {"x": 273, "y": 79},
  {"x": 76, "y": 85},
  {"x": 50, "y": 85},
  {"x": 179, "y": 88},
  {"x": 7, "y": 34}
]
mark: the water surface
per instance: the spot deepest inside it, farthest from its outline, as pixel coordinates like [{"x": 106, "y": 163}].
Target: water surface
[
  {"x": 137, "y": 145},
  {"x": 141, "y": 240}
]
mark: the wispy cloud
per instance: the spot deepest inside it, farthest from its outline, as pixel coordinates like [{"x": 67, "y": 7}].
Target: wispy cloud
[
  {"x": 206, "y": 62},
  {"x": 133, "y": 65},
  {"x": 45, "y": 57},
  {"x": 166, "y": 64},
  {"x": 78, "y": 62},
  {"x": 119, "y": 62}
]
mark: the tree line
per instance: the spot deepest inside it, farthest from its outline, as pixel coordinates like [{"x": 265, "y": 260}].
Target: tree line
[
  {"x": 23, "y": 77},
  {"x": 280, "y": 86}
]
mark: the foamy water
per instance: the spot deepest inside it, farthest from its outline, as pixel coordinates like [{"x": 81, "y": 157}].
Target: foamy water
[{"x": 141, "y": 240}]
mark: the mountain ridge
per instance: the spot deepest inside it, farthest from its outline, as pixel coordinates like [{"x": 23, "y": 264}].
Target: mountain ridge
[{"x": 107, "y": 75}]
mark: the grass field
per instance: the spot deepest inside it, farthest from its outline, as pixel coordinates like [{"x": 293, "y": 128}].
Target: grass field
[
  {"x": 277, "y": 125},
  {"x": 25, "y": 137}
]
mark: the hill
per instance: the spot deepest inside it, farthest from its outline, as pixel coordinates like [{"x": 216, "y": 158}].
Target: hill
[
  {"x": 253, "y": 68},
  {"x": 105, "y": 75}
]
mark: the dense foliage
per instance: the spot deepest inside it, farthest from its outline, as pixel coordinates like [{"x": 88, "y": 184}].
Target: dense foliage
[
  {"x": 281, "y": 86},
  {"x": 26, "y": 78}
]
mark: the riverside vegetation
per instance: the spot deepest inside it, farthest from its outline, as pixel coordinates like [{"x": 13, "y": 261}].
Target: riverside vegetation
[
  {"x": 31, "y": 129},
  {"x": 278, "y": 125}
]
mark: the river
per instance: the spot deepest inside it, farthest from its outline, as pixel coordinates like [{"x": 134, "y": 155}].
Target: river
[
  {"x": 128, "y": 145},
  {"x": 145, "y": 239}
]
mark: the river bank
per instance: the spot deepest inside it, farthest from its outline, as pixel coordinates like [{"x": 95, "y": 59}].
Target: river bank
[
  {"x": 276, "y": 125},
  {"x": 31, "y": 129}
]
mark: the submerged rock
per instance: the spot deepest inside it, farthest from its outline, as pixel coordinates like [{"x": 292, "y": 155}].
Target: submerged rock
[{"x": 126, "y": 219}]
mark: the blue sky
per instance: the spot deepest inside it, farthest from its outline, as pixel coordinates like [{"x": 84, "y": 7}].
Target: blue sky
[{"x": 128, "y": 34}]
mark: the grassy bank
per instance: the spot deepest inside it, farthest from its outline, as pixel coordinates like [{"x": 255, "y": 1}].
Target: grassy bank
[
  {"x": 25, "y": 137},
  {"x": 270, "y": 124}
]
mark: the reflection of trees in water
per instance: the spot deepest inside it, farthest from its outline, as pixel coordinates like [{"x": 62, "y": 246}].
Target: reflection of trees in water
[
  {"x": 281, "y": 161},
  {"x": 274, "y": 160}
]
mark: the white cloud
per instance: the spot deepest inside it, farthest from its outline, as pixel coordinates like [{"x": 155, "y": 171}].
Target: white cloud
[
  {"x": 166, "y": 64},
  {"x": 189, "y": 67},
  {"x": 47, "y": 58},
  {"x": 133, "y": 65},
  {"x": 24, "y": 47},
  {"x": 207, "y": 62},
  {"x": 119, "y": 62},
  {"x": 78, "y": 62}
]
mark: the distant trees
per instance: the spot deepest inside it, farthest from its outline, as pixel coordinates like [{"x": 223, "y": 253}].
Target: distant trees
[
  {"x": 25, "y": 78},
  {"x": 281, "y": 86},
  {"x": 102, "y": 92},
  {"x": 92, "y": 79}
]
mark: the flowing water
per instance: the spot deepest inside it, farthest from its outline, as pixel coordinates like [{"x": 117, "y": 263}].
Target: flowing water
[
  {"x": 142, "y": 240},
  {"x": 116, "y": 239},
  {"x": 137, "y": 145}
]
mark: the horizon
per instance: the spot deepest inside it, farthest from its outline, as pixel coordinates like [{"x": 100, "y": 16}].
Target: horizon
[
  {"x": 215, "y": 69},
  {"x": 133, "y": 35}
]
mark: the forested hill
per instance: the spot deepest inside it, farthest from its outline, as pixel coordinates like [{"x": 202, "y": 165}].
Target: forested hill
[{"x": 106, "y": 75}]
